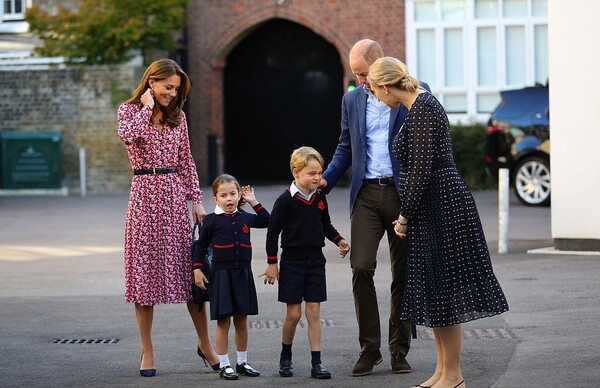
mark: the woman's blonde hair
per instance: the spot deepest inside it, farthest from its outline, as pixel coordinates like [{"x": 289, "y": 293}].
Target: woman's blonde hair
[
  {"x": 158, "y": 71},
  {"x": 301, "y": 156},
  {"x": 389, "y": 71}
]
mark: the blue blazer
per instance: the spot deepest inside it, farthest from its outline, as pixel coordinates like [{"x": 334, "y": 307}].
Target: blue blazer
[{"x": 351, "y": 150}]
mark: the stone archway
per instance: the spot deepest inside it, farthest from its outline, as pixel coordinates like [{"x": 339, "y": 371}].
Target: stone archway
[{"x": 282, "y": 89}]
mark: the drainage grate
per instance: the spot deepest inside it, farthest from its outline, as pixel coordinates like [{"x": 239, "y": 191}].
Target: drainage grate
[
  {"x": 277, "y": 324},
  {"x": 498, "y": 333},
  {"x": 85, "y": 341}
]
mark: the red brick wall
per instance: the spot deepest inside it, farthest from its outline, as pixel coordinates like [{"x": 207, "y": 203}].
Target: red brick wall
[{"x": 216, "y": 26}]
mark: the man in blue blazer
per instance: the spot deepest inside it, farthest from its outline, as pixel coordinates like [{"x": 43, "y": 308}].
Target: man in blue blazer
[{"x": 368, "y": 128}]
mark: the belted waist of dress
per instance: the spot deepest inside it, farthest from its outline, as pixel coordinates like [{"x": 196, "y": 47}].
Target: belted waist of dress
[{"x": 155, "y": 170}]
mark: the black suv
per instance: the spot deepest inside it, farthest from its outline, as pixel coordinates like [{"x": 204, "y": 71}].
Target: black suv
[{"x": 518, "y": 138}]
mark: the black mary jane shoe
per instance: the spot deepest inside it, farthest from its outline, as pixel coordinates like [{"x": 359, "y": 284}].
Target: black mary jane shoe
[
  {"x": 227, "y": 373},
  {"x": 246, "y": 370},
  {"x": 320, "y": 372},
  {"x": 285, "y": 368},
  {"x": 216, "y": 367}
]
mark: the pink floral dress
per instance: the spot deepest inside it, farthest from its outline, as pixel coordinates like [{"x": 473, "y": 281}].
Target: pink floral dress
[{"x": 158, "y": 231}]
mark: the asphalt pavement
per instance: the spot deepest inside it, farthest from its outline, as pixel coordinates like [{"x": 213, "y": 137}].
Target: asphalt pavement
[{"x": 64, "y": 323}]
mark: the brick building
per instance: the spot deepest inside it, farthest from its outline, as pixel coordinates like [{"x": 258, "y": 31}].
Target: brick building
[{"x": 268, "y": 75}]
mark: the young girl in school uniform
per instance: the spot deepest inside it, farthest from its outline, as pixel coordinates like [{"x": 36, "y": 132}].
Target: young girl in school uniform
[{"x": 232, "y": 291}]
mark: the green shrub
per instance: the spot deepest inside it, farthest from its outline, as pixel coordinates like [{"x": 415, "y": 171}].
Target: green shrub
[{"x": 468, "y": 143}]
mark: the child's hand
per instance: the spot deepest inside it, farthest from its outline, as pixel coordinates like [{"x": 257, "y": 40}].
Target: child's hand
[
  {"x": 344, "y": 248},
  {"x": 271, "y": 274},
  {"x": 248, "y": 195},
  {"x": 200, "y": 279}
]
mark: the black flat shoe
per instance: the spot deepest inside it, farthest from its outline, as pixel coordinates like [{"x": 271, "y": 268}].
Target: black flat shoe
[
  {"x": 214, "y": 367},
  {"x": 320, "y": 372},
  {"x": 227, "y": 373},
  {"x": 285, "y": 368},
  {"x": 246, "y": 370}
]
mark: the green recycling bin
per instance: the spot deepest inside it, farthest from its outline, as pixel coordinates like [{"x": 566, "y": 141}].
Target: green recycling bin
[{"x": 30, "y": 159}]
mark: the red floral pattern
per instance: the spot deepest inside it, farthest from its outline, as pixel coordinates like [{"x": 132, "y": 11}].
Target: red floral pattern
[{"x": 158, "y": 230}]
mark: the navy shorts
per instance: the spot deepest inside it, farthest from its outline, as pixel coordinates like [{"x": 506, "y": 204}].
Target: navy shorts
[{"x": 302, "y": 279}]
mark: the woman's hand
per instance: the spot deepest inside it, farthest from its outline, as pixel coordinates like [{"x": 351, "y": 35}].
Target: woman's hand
[
  {"x": 198, "y": 212},
  {"x": 147, "y": 98},
  {"x": 400, "y": 229}
]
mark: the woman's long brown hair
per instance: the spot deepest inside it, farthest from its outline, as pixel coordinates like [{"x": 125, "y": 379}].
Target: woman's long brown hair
[{"x": 158, "y": 71}]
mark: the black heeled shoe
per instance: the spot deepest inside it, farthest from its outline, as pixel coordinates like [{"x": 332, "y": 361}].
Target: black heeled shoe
[
  {"x": 147, "y": 372},
  {"x": 216, "y": 367}
]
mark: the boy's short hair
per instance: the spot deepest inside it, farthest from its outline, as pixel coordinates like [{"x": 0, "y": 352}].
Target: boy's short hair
[{"x": 301, "y": 156}]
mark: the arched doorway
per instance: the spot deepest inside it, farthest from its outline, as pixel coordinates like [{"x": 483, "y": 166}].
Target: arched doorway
[{"x": 283, "y": 89}]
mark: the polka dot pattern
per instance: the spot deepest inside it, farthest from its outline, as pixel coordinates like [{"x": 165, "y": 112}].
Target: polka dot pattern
[{"x": 450, "y": 279}]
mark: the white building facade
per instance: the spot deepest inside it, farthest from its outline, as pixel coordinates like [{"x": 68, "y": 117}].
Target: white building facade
[{"x": 469, "y": 50}]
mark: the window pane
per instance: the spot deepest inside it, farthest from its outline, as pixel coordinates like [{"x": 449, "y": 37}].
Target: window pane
[
  {"x": 539, "y": 8},
  {"x": 486, "y": 56},
  {"x": 19, "y": 6},
  {"x": 515, "y": 8},
  {"x": 541, "y": 54},
  {"x": 453, "y": 57},
  {"x": 487, "y": 102},
  {"x": 425, "y": 11},
  {"x": 486, "y": 9},
  {"x": 7, "y": 8},
  {"x": 453, "y": 9},
  {"x": 455, "y": 103},
  {"x": 426, "y": 56},
  {"x": 515, "y": 55}
]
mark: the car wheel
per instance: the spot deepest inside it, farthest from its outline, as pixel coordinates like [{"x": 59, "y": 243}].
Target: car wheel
[{"x": 532, "y": 181}]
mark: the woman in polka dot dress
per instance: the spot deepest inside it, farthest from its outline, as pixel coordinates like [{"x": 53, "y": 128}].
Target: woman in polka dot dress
[
  {"x": 158, "y": 232},
  {"x": 450, "y": 279}
]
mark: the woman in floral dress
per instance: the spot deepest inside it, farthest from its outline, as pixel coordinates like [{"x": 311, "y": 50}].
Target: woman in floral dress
[{"x": 158, "y": 233}]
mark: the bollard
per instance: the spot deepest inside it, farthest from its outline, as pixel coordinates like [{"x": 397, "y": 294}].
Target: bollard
[
  {"x": 503, "y": 192},
  {"x": 82, "y": 177}
]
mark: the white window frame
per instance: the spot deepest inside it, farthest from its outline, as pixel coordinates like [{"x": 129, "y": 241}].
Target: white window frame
[
  {"x": 14, "y": 23},
  {"x": 469, "y": 27}
]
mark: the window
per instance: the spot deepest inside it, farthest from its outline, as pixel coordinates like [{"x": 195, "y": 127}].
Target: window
[
  {"x": 469, "y": 50},
  {"x": 14, "y": 10}
]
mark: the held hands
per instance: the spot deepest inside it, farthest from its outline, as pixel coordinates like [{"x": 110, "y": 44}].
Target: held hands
[
  {"x": 344, "y": 248},
  {"x": 147, "y": 98},
  {"x": 198, "y": 212},
  {"x": 401, "y": 226},
  {"x": 248, "y": 195},
  {"x": 322, "y": 183},
  {"x": 271, "y": 274},
  {"x": 200, "y": 279}
]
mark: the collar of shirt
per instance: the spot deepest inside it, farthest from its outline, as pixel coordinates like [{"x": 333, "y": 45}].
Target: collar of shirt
[
  {"x": 218, "y": 210},
  {"x": 295, "y": 190}
]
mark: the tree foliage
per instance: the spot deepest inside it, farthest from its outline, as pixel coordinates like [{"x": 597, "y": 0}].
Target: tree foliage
[{"x": 106, "y": 31}]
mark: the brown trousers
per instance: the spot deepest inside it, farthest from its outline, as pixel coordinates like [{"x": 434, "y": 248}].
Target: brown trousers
[{"x": 375, "y": 209}]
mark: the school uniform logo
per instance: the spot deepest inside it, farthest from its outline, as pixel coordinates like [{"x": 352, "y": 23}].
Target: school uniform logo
[
  {"x": 321, "y": 205},
  {"x": 245, "y": 229}
]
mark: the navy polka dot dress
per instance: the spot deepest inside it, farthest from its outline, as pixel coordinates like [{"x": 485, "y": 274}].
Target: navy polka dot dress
[{"x": 450, "y": 279}]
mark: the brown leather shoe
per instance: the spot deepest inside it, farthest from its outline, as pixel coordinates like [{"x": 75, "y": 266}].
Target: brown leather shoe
[
  {"x": 399, "y": 364},
  {"x": 366, "y": 362}
]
